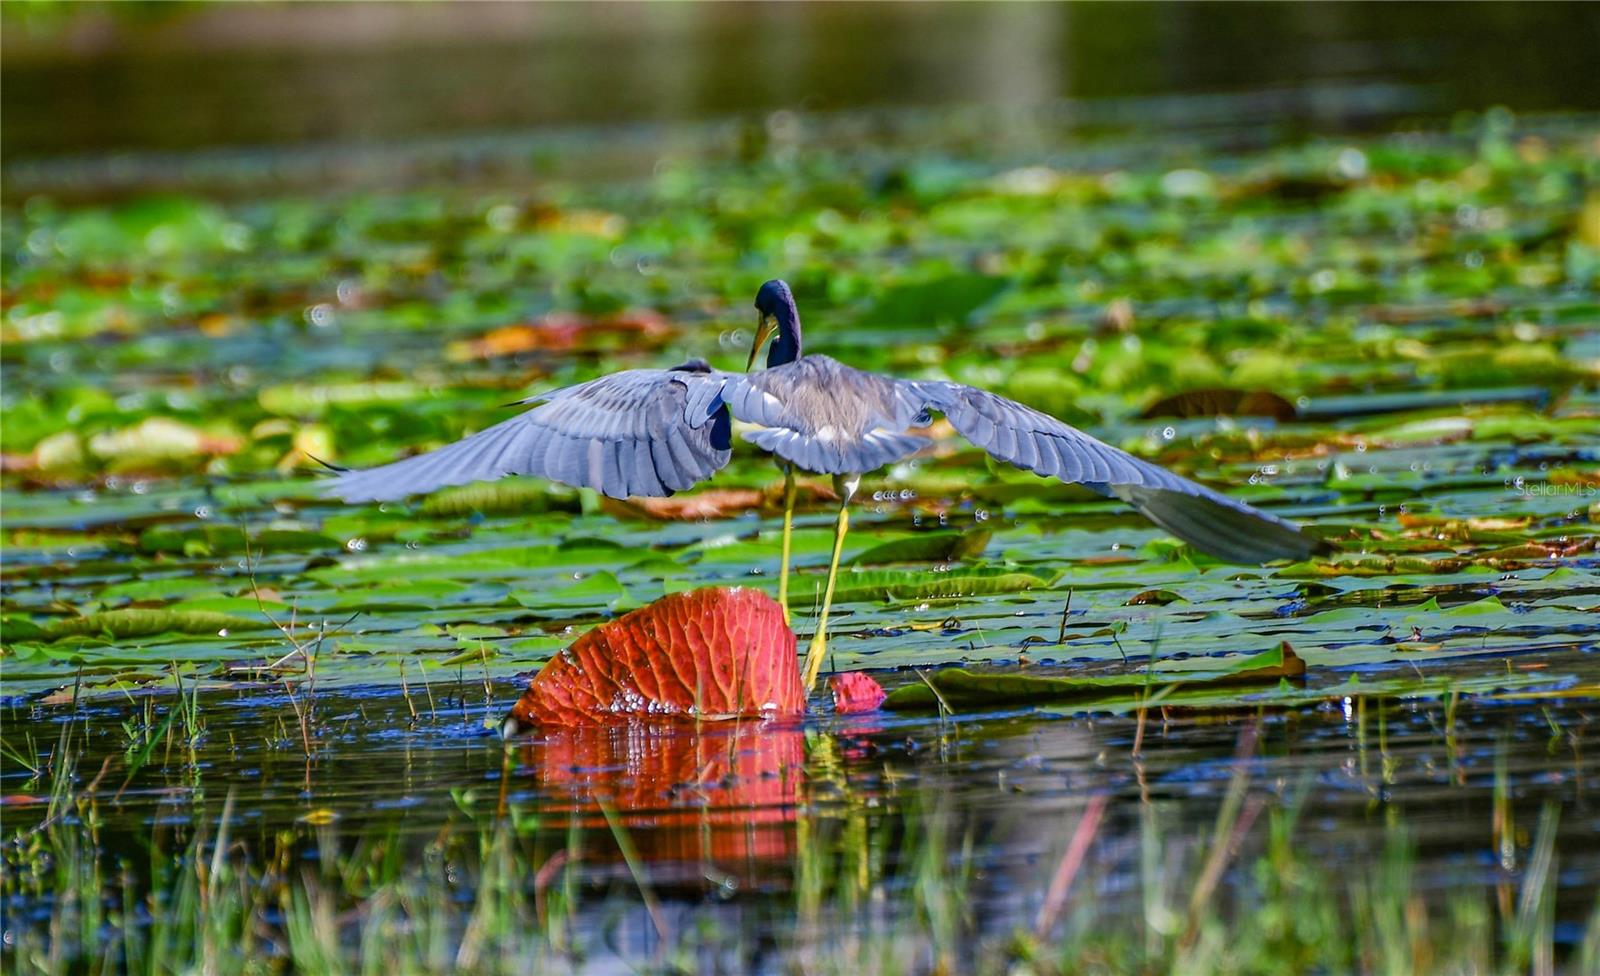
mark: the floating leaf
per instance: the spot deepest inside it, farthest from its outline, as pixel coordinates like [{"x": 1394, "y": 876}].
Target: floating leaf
[
  {"x": 713, "y": 503},
  {"x": 1222, "y": 403},
  {"x": 600, "y": 589},
  {"x": 313, "y": 400},
  {"x": 562, "y": 332},
  {"x": 864, "y": 586},
  {"x": 16, "y": 628},
  {"x": 480, "y": 654},
  {"x": 1154, "y": 598},
  {"x": 711, "y": 653},
  {"x": 1363, "y": 565},
  {"x": 958, "y": 686},
  {"x": 928, "y": 547},
  {"x": 947, "y": 300},
  {"x": 138, "y": 622},
  {"x": 192, "y": 539},
  {"x": 508, "y": 496},
  {"x": 295, "y": 540},
  {"x": 1430, "y": 611},
  {"x": 157, "y": 439}
]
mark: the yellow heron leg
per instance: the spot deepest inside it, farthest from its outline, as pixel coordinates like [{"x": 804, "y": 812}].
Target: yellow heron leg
[
  {"x": 788, "y": 535},
  {"x": 846, "y": 489}
]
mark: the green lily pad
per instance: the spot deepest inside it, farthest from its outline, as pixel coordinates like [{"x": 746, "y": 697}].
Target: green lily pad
[
  {"x": 959, "y": 686},
  {"x": 135, "y": 622}
]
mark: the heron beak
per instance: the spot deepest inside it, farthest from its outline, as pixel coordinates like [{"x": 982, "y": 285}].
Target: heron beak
[{"x": 764, "y": 324}]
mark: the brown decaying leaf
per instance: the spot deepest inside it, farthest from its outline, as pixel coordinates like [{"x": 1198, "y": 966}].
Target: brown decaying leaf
[
  {"x": 707, "y": 654},
  {"x": 1576, "y": 476},
  {"x": 560, "y": 332},
  {"x": 1449, "y": 526},
  {"x": 1117, "y": 317},
  {"x": 1420, "y": 312},
  {"x": 1157, "y": 598},
  {"x": 1222, "y": 403},
  {"x": 715, "y": 503}
]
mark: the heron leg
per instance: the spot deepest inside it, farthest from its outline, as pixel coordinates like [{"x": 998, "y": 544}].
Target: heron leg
[
  {"x": 819, "y": 641},
  {"x": 788, "y": 535}
]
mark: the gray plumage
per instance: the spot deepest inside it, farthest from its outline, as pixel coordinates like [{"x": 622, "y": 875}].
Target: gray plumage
[
  {"x": 630, "y": 433},
  {"x": 653, "y": 432}
]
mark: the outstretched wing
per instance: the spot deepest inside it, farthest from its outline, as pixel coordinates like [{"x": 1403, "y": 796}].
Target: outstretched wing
[
  {"x": 1211, "y": 522},
  {"x": 638, "y": 432}
]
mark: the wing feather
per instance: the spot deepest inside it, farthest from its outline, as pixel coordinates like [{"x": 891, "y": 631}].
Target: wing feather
[
  {"x": 643, "y": 431},
  {"x": 1212, "y": 522}
]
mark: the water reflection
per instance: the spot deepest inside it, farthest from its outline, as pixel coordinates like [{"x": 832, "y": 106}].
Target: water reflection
[
  {"x": 755, "y": 824},
  {"x": 253, "y": 76},
  {"x": 690, "y": 795}
]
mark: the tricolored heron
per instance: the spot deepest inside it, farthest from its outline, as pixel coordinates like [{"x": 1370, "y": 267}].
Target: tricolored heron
[{"x": 653, "y": 432}]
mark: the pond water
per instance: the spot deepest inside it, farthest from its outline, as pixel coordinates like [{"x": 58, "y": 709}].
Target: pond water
[
  {"x": 1397, "y": 339},
  {"x": 1440, "y": 805}
]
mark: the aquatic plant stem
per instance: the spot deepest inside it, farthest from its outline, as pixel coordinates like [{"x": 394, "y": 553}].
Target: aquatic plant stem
[
  {"x": 788, "y": 537},
  {"x": 819, "y": 640}
]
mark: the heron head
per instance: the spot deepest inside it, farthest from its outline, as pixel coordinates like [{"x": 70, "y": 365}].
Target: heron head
[{"x": 776, "y": 311}]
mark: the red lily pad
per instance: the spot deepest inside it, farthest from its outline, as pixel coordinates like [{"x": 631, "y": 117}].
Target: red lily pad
[
  {"x": 708, "y": 654},
  {"x": 855, "y": 692}
]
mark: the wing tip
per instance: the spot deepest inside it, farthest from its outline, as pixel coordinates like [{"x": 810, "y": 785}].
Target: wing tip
[{"x": 336, "y": 468}]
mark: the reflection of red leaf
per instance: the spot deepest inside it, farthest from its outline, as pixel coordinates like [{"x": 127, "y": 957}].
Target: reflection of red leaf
[
  {"x": 560, "y": 332},
  {"x": 687, "y": 795},
  {"x": 712, "y": 653},
  {"x": 855, "y": 692}
]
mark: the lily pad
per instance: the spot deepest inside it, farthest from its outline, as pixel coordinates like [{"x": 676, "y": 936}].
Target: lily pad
[{"x": 959, "y": 686}]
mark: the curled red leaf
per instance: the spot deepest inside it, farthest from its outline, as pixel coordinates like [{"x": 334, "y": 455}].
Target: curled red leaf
[
  {"x": 708, "y": 654},
  {"x": 855, "y": 692}
]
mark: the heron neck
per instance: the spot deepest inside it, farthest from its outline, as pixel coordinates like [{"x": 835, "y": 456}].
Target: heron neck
[{"x": 785, "y": 347}]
